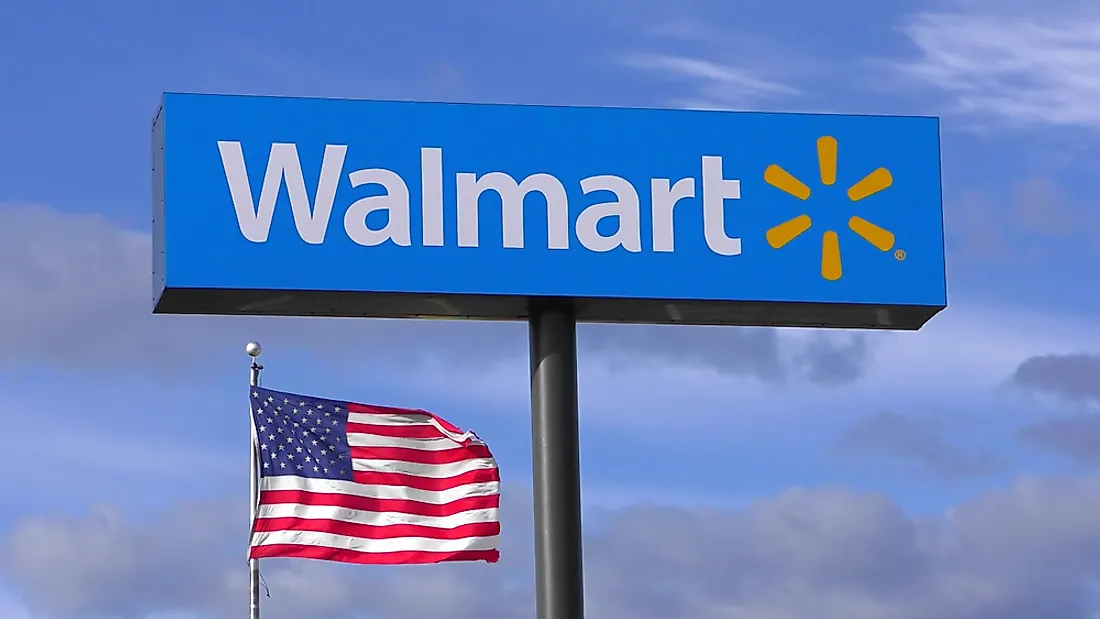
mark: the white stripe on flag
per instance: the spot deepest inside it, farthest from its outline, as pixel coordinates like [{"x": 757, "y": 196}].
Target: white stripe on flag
[{"x": 375, "y": 491}]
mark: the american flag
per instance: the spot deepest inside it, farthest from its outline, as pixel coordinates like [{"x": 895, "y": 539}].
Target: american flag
[{"x": 357, "y": 483}]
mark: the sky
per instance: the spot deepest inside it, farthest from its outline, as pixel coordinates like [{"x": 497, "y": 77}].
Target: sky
[{"x": 728, "y": 473}]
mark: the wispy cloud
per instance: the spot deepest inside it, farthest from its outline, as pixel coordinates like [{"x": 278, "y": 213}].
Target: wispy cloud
[
  {"x": 1076, "y": 437},
  {"x": 1074, "y": 377},
  {"x": 1030, "y": 66},
  {"x": 1030, "y": 221},
  {"x": 916, "y": 440},
  {"x": 710, "y": 84}
]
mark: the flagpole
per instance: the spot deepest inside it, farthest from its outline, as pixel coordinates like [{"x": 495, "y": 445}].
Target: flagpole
[
  {"x": 555, "y": 451},
  {"x": 252, "y": 349}
]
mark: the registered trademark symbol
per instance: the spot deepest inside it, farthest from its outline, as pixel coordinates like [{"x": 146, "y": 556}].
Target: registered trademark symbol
[{"x": 899, "y": 254}]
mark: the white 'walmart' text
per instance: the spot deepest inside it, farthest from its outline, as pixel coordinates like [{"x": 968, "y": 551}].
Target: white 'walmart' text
[{"x": 312, "y": 220}]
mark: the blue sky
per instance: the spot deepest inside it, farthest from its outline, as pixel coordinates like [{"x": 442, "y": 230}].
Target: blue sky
[{"x": 978, "y": 433}]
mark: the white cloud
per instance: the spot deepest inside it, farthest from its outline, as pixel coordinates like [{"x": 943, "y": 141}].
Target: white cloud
[
  {"x": 976, "y": 345},
  {"x": 831, "y": 553},
  {"x": 78, "y": 296},
  {"x": 1026, "y": 64},
  {"x": 105, "y": 455},
  {"x": 78, "y": 293}
]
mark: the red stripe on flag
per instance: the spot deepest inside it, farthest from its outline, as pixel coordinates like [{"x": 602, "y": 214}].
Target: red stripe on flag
[
  {"x": 366, "y": 531},
  {"x": 379, "y": 558},
  {"x": 368, "y": 504},
  {"x": 404, "y": 431},
  {"x": 420, "y": 456}
]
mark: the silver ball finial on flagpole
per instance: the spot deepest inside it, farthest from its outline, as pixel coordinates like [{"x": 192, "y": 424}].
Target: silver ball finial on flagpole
[{"x": 252, "y": 349}]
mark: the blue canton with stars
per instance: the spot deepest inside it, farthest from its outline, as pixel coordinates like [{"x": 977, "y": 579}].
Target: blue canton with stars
[{"x": 301, "y": 435}]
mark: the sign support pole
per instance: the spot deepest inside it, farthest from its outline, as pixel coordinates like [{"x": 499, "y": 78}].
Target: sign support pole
[
  {"x": 253, "y": 351},
  {"x": 555, "y": 450}
]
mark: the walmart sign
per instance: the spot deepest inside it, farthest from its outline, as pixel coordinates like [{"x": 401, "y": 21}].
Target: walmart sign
[{"x": 364, "y": 208}]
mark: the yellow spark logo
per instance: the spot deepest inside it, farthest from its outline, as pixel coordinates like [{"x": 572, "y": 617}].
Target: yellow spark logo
[{"x": 830, "y": 243}]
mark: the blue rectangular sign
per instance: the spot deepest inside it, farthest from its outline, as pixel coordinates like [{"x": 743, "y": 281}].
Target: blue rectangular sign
[{"x": 372, "y": 208}]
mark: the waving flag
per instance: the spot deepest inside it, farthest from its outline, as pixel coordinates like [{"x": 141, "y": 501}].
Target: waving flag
[{"x": 341, "y": 481}]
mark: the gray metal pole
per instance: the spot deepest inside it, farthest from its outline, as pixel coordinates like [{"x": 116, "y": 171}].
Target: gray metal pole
[
  {"x": 253, "y": 351},
  {"x": 555, "y": 443}
]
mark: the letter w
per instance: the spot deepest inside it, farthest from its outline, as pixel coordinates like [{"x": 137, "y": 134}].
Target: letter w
[{"x": 282, "y": 163}]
